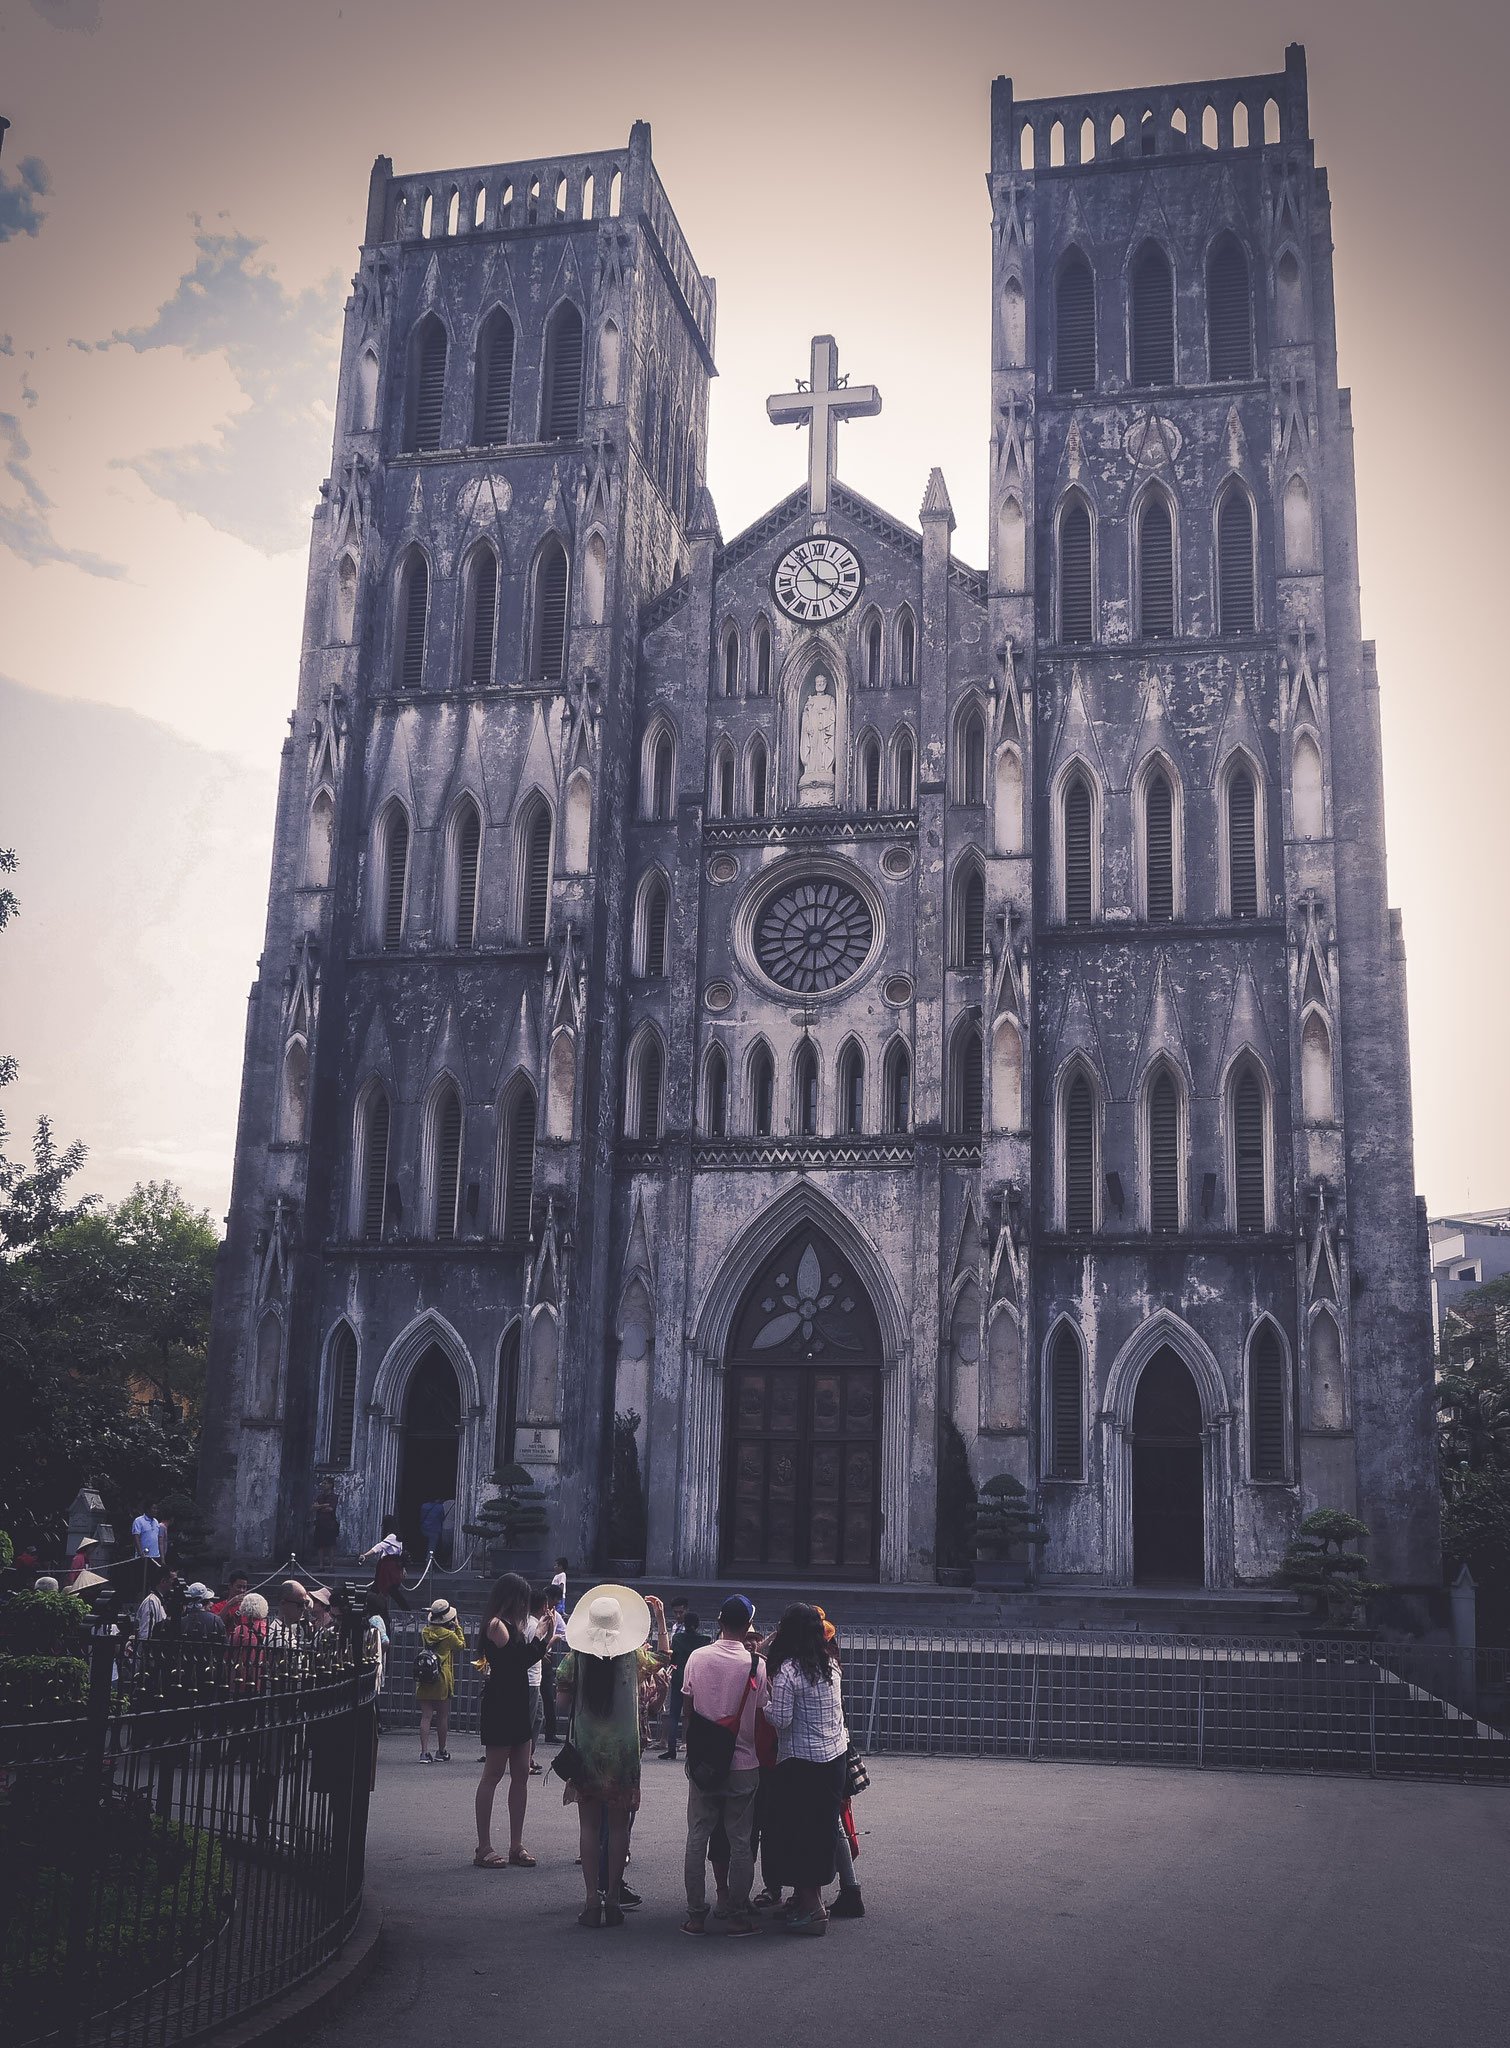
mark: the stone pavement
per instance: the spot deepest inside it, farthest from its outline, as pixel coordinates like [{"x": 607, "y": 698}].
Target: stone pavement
[{"x": 1045, "y": 1904}]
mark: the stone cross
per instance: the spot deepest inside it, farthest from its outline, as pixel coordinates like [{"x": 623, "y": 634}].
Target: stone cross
[{"x": 823, "y": 403}]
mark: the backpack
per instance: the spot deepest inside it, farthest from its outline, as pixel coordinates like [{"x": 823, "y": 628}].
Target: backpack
[
  {"x": 427, "y": 1668},
  {"x": 710, "y": 1744}
]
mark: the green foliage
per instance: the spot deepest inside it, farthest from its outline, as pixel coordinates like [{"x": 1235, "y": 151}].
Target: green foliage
[
  {"x": 515, "y": 1516},
  {"x": 1315, "y": 1563},
  {"x": 42, "y": 1688},
  {"x": 42, "y": 1624},
  {"x": 1006, "y": 1516},
  {"x": 956, "y": 1521},
  {"x": 1476, "y": 1533},
  {"x": 626, "y": 1501}
]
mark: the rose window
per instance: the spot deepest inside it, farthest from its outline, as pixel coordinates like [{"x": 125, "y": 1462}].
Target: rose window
[{"x": 813, "y": 936}]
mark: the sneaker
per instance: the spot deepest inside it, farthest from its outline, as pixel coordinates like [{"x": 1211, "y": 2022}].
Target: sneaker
[
  {"x": 849, "y": 1905},
  {"x": 443, "y": 1756},
  {"x": 668, "y": 1756},
  {"x": 425, "y": 1757},
  {"x": 629, "y": 1898}
]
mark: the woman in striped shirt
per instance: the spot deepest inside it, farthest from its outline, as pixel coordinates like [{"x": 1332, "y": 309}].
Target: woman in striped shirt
[{"x": 805, "y": 1706}]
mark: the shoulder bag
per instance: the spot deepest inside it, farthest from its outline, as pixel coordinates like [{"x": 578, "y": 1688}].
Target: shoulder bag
[{"x": 710, "y": 1744}]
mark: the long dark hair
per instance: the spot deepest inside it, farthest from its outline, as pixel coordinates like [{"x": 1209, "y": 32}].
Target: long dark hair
[
  {"x": 506, "y": 1595},
  {"x": 597, "y": 1683},
  {"x": 799, "y": 1640}
]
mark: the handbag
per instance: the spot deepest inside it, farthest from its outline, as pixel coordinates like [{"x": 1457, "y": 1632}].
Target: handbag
[
  {"x": 710, "y": 1744},
  {"x": 569, "y": 1764},
  {"x": 856, "y": 1777}
]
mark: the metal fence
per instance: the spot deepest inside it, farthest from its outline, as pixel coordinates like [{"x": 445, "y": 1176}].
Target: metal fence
[{"x": 188, "y": 1848}]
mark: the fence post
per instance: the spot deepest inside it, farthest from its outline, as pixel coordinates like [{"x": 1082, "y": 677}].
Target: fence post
[
  {"x": 1373, "y": 1750},
  {"x": 104, "y": 1638},
  {"x": 1200, "y": 1722},
  {"x": 1033, "y": 1712}
]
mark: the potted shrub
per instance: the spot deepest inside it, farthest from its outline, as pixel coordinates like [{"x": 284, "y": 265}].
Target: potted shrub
[
  {"x": 1316, "y": 1564},
  {"x": 626, "y": 1502},
  {"x": 1007, "y": 1531},
  {"x": 955, "y": 1539},
  {"x": 512, "y": 1522}
]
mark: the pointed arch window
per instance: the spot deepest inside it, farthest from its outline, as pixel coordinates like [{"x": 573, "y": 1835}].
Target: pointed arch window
[
  {"x": 762, "y": 660},
  {"x": 320, "y": 840},
  {"x": 647, "y": 423},
  {"x": 757, "y": 778},
  {"x": 873, "y": 654},
  {"x": 446, "y": 1125},
  {"x": 1079, "y": 1143},
  {"x": 870, "y": 774},
  {"x": 1242, "y": 843},
  {"x": 904, "y": 775},
  {"x": 563, "y": 376},
  {"x": 342, "y": 1380},
  {"x": 1152, "y": 317},
  {"x": 762, "y": 1092},
  {"x": 413, "y": 606},
  {"x": 653, "y": 913},
  {"x": 724, "y": 781},
  {"x": 731, "y": 663},
  {"x": 376, "y": 1119},
  {"x": 395, "y": 871},
  {"x": 1164, "y": 1152},
  {"x": 1158, "y": 848},
  {"x": 1249, "y": 1162},
  {"x": 482, "y": 615},
  {"x": 519, "y": 1163},
  {"x": 1229, "y": 325},
  {"x": 1075, "y": 607},
  {"x": 716, "y": 1093},
  {"x": 907, "y": 641},
  {"x": 648, "y": 1068},
  {"x": 507, "y": 1410},
  {"x": 689, "y": 479},
  {"x": 852, "y": 1091},
  {"x": 1066, "y": 1428},
  {"x": 549, "y": 663},
  {"x": 495, "y": 380},
  {"x": 663, "y": 451},
  {"x": 428, "y": 384},
  {"x": 972, "y": 758},
  {"x": 806, "y": 1090},
  {"x": 898, "y": 1089},
  {"x": 969, "y": 1082},
  {"x": 535, "y": 893},
  {"x": 1079, "y": 894},
  {"x": 1075, "y": 324},
  {"x": 1156, "y": 568},
  {"x": 1266, "y": 1398},
  {"x": 468, "y": 840},
  {"x": 293, "y": 1097},
  {"x": 1234, "y": 563},
  {"x": 662, "y": 793},
  {"x": 969, "y": 915},
  {"x": 608, "y": 364}
]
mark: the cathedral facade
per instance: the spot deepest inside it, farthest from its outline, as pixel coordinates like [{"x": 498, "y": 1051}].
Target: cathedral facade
[{"x": 839, "y": 1011}]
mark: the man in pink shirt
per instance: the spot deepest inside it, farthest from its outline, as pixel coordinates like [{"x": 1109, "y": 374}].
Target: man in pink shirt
[{"x": 723, "y": 1682}]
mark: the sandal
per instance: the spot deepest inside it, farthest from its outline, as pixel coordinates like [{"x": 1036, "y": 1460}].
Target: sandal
[
  {"x": 743, "y": 1924},
  {"x": 695, "y": 1923},
  {"x": 807, "y": 1923},
  {"x": 591, "y": 1916},
  {"x": 521, "y": 1859},
  {"x": 489, "y": 1859}
]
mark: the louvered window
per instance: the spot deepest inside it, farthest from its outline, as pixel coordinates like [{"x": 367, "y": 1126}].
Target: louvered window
[
  {"x": 762, "y": 663},
  {"x": 1164, "y": 1153},
  {"x": 1066, "y": 1446},
  {"x": 1242, "y": 844},
  {"x": 497, "y": 382},
  {"x": 1248, "y": 1152},
  {"x": 508, "y": 1400},
  {"x": 1152, "y": 318},
  {"x": 1075, "y": 317},
  {"x": 484, "y": 616},
  {"x": 762, "y": 1091},
  {"x": 655, "y": 932},
  {"x": 519, "y": 1168},
  {"x": 852, "y": 1091},
  {"x": 648, "y": 1128},
  {"x": 563, "y": 409},
  {"x": 468, "y": 843},
  {"x": 873, "y": 655},
  {"x": 731, "y": 665},
  {"x": 375, "y": 1168},
  {"x": 1077, "y": 852},
  {"x": 1234, "y": 564},
  {"x": 1079, "y": 1156},
  {"x": 1075, "y": 573},
  {"x": 970, "y": 1092},
  {"x": 1229, "y": 325},
  {"x": 416, "y": 602},
  {"x": 807, "y": 1093},
  {"x": 537, "y": 877},
  {"x": 972, "y": 923},
  {"x": 550, "y": 613},
  {"x": 726, "y": 785},
  {"x": 908, "y": 650},
  {"x": 1266, "y": 1389},
  {"x": 663, "y": 452},
  {"x": 716, "y": 1093},
  {"x": 647, "y": 424},
  {"x": 904, "y": 777},
  {"x": 973, "y": 759},
  {"x": 1156, "y": 570},
  {"x": 898, "y": 1090},
  {"x": 343, "y": 1395},
  {"x": 447, "y": 1164},
  {"x": 660, "y": 806},
  {"x": 396, "y": 860},
  {"x": 872, "y": 777},
  {"x": 757, "y": 782},
  {"x": 1158, "y": 833},
  {"x": 429, "y": 387}
]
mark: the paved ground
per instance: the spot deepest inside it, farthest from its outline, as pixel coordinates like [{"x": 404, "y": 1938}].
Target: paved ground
[{"x": 1048, "y": 1905}]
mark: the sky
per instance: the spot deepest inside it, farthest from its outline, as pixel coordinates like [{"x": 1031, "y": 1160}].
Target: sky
[{"x": 182, "y": 192}]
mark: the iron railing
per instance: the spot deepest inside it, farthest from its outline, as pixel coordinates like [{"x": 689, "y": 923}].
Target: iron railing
[{"x": 189, "y": 1847}]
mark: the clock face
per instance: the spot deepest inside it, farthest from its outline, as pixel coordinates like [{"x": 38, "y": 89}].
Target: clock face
[{"x": 817, "y": 580}]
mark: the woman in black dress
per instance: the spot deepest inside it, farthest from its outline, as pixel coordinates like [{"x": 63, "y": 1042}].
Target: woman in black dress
[{"x": 506, "y": 1716}]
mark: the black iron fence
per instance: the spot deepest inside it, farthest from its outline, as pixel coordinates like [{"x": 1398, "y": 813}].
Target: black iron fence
[{"x": 188, "y": 1847}]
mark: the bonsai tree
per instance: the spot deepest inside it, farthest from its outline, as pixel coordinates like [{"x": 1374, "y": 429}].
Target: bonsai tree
[
  {"x": 626, "y": 1500},
  {"x": 514, "y": 1518},
  {"x": 1316, "y": 1563},
  {"x": 955, "y": 1543},
  {"x": 1005, "y": 1516}
]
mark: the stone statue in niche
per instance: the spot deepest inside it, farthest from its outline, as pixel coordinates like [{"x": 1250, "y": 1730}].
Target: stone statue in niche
[{"x": 815, "y": 746}]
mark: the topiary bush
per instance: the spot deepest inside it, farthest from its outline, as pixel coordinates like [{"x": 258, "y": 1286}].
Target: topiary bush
[
  {"x": 1315, "y": 1563},
  {"x": 626, "y": 1510}
]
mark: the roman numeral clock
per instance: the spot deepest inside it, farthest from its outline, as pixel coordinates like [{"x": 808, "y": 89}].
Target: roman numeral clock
[{"x": 817, "y": 580}]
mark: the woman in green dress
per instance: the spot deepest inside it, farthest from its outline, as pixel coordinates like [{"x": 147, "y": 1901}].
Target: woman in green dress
[{"x": 609, "y": 1683}]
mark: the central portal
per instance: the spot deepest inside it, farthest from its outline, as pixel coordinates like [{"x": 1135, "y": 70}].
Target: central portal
[
  {"x": 1169, "y": 1541},
  {"x": 427, "y": 1474},
  {"x": 802, "y": 1428}
]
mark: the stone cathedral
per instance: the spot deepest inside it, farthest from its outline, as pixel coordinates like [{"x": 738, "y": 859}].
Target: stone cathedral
[{"x": 806, "y": 994}]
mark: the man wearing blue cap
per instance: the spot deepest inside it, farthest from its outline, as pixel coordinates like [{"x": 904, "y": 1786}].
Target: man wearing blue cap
[{"x": 723, "y": 1683}]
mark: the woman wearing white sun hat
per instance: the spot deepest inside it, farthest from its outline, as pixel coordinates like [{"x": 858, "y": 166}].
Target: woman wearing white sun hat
[{"x": 599, "y": 1685}]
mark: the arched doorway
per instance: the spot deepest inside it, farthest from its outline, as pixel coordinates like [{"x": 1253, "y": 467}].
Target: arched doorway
[
  {"x": 1168, "y": 1484},
  {"x": 431, "y": 1445},
  {"x": 802, "y": 1420}
]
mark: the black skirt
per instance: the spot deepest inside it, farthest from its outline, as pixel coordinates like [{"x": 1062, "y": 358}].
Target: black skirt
[
  {"x": 507, "y": 1703},
  {"x": 801, "y": 1823}
]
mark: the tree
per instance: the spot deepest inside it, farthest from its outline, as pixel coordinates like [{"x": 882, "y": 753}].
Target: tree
[
  {"x": 515, "y": 1517},
  {"x": 1316, "y": 1563},
  {"x": 1473, "y": 1449},
  {"x": 1006, "y": 1515},
  {"x": 626, "y": 1501}
]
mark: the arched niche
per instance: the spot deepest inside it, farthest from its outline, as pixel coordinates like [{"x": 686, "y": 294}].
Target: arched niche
[
  {"x": 816, "y": 751},
  {"x": 1001, "y": 1385},
  {"x": 578, "y": 823},
  {"x": 544, "y": 1376},
  {"x": 1328, "y": 1406},
  {"x": 1006, "y": 1075},
  {"x": 1008, "y": 801},
  {"x": 560, "y": 1101}
]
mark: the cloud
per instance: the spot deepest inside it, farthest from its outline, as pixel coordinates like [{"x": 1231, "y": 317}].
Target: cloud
[
  {"x": 19, "y": 212},
  {"x": 81, "y": 14},
  {"x": 257, "y": 480},
  {"x": 24, "y": 525}
]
